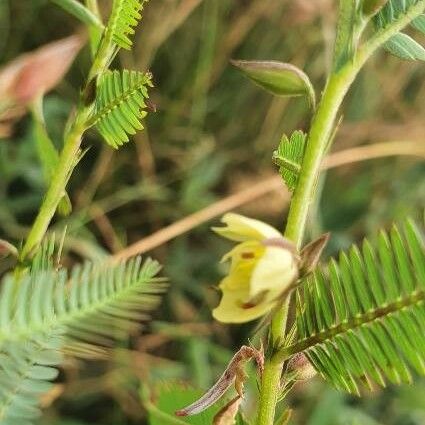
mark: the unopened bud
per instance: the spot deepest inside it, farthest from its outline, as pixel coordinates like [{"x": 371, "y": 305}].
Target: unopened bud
[
  {"x": 300, "y": 364},
  {"x": 311, "y": 253},
  {"x": 278, "y": 78}
]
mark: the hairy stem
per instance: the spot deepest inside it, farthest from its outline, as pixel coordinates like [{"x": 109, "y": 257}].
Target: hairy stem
[
  {"x": 69, "y": 154},
  {"x": 321, "y": 130},
  {"x": 56, "y": 190}
]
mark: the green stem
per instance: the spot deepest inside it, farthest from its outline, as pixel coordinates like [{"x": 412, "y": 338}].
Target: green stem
[
  {"x": 66, "y": 163},
  {"x": 321, "y": 130},
  {"x": 69, "y": 155},
  {"x": 269, "y": 392}
]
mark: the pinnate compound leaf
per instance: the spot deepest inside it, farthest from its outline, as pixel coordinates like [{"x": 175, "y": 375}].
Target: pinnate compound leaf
[
  {"x": 393, "y": 10},
  {"x": 94, "y": 304},
  {"x": 405, "y": 47},
  {"x": 124, "y": 17},
  {"x": 278, "y": 78},
  {"x": 360, "y": 319},
  {"x": 120, "y": 104},
  {"x": 289, "y": 156},
  {"x": 44, "y": 259},
  {"x": 26, "y": 371},
  {"x": 401, "y": 45},
  {"x": 50, "y": 311},
  {"x": 419, "y": 24}
]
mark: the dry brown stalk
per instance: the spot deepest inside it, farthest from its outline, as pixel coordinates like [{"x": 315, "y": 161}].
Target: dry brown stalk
[{"x": 336, "y": 159}]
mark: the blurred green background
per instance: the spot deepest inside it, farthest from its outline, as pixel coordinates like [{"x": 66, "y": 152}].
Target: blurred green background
[{"x": 212, "y": 136}]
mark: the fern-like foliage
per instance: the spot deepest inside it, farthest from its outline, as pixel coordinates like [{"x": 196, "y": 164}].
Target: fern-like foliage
[
  {"x": 401, "y": 44},
  {"x": 362, "y": 319},
  {"x": 44, "y": 258},
  {"x": 51, "y": 311},
  {"x": 26, "y": 369},
  {"x": 289, "y": 156},
  {"x": 93, "y": 304},
  {"x": 120, "y": 103},
  {"x": 124, "y": 17}
]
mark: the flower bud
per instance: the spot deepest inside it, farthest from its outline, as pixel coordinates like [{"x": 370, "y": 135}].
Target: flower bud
[
  {"x": 302, "y": 367},
  {"x": 263, "y": 265},
  {"x": 278, "y": 78}
]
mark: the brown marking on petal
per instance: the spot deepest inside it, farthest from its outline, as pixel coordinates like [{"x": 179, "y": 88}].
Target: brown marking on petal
[
  {"x": 247, "y": 255},
  {"x": 279, "y": 300},
  {"x": 254, "y": 301},
  {"x": 248, "y": 305}
]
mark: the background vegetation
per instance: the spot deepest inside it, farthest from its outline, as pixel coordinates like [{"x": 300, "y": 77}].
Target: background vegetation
[{"x": 210, "y": 138}]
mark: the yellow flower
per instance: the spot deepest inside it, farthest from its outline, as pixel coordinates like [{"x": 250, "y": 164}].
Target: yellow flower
[{"x": 262, "y": 265}]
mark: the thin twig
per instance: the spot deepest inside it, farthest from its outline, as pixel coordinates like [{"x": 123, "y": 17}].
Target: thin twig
[
  {"x": 105, "y": 228},
  {"x": 195, "y": 219},
  {"x": 271, "y": 184}
]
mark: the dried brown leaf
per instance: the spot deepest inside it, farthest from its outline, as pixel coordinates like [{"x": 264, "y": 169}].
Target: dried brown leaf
[{"x": 227, "y": 415}]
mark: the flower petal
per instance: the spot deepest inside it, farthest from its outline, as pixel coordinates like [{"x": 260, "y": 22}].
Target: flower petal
[
  {"x": 244, "y": 258},
  {"x": 238, "y": 280},
  {"x": 231, "y": 310},
  {"x": 240, "y": 228},
  {"x": 244, "y": 253},
  {"x": 274, "y": 272}
]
